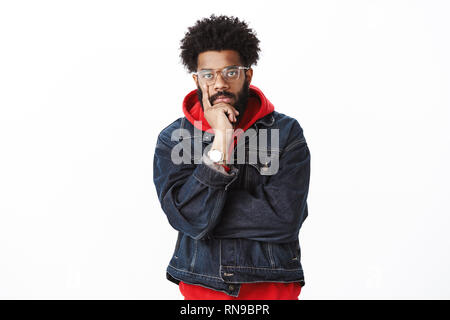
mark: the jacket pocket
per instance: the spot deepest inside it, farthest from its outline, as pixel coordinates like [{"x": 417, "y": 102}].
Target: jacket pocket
[{"x": 267, "y": 160}]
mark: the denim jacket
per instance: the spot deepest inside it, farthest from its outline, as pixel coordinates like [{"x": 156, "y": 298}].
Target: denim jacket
[{"x": 240, "y": 227}]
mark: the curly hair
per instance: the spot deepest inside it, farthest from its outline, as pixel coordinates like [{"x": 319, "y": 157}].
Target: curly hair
[{"x": 219, "y": 33}]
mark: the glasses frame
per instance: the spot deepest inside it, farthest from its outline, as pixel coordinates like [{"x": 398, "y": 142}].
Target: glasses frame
[{"x": 222, "y": 71}]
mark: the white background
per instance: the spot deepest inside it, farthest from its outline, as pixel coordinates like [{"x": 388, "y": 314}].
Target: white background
[{"x": 86, "y": 86}]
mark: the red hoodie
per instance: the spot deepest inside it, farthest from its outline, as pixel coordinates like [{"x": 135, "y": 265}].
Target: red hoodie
[{"x": 258, "y": 106}]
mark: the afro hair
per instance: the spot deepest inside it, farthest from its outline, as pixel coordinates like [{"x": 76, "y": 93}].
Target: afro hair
[{"x": 219, "y": 33}]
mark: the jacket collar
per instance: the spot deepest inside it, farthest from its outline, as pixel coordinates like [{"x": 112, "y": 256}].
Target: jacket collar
[{"x": 267, "y": 120}]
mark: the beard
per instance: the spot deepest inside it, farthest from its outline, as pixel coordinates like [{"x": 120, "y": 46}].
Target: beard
[{"x": 241, "y": 100}]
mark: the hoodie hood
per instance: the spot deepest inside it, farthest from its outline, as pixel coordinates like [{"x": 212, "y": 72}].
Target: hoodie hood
[{"x": 258, "y": 106}]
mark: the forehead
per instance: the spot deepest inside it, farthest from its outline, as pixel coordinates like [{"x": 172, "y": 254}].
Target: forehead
[{"x": 218, "y": 59}]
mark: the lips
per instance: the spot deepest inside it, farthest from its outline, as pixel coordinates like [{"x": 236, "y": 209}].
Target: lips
[{"x": 223, "y": 99}]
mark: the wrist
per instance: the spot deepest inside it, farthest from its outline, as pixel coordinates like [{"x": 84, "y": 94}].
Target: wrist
[
  {"x": 218, "y": 165},
  {"x": 222, "y": 141}
]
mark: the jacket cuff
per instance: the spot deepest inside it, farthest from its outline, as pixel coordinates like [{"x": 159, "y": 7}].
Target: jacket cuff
[
  {"x": 210, "y": 174},
  {"x": 215, "y": 166}
]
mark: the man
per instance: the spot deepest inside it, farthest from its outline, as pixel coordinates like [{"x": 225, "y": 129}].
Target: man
[{"x": 237, "y": 203}]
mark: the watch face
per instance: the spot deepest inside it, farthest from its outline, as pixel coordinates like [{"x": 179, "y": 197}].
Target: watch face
[{"x": 215, "y": 155}]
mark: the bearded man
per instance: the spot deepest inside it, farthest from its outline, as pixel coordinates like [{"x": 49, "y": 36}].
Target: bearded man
[{"x": 238, "y": 218}]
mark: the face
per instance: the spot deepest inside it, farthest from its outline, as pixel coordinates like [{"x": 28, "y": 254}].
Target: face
[{"x": 237, "y": 90}]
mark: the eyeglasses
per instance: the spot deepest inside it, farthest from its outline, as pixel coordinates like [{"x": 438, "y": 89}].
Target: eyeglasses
[{"x": 229, "y": 74}]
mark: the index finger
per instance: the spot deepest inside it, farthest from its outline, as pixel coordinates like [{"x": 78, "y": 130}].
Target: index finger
[{"x": 206, "y": 102}]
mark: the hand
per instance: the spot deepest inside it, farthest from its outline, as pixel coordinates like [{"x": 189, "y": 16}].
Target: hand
[
  {"x": 219, "y": 118},
  {"x": 220, "y": 115}
]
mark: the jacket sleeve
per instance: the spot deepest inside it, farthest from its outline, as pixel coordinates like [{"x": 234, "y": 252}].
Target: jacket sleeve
[
  {"x": 274, "y": 211},
  {"x": 191, "y": 195}
]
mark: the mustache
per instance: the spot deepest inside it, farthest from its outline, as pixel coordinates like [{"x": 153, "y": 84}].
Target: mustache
[{"x": 223, "y": 93}]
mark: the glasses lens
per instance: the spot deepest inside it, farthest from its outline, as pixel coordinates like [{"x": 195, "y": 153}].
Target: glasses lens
[
  {"x": 231, "y": 73},
  {"x": 207, "y": 76}
]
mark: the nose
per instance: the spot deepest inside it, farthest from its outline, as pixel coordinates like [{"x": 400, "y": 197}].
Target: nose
[{"x": 220, "y": 84}]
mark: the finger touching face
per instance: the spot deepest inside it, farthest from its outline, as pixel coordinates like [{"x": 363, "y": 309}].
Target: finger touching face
[{"x": 205, "y": 95}]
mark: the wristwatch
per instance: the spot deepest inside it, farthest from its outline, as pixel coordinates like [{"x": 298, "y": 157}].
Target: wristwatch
[{"x": 215, "y": 155}]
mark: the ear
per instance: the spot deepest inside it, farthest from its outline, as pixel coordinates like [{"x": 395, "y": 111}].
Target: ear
[
  {"x": 249, "y": 74},
  {"x": 194, "y": 76}
]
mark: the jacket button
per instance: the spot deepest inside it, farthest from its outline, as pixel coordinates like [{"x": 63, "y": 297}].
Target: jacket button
[{"x": 231, "y": 287}]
